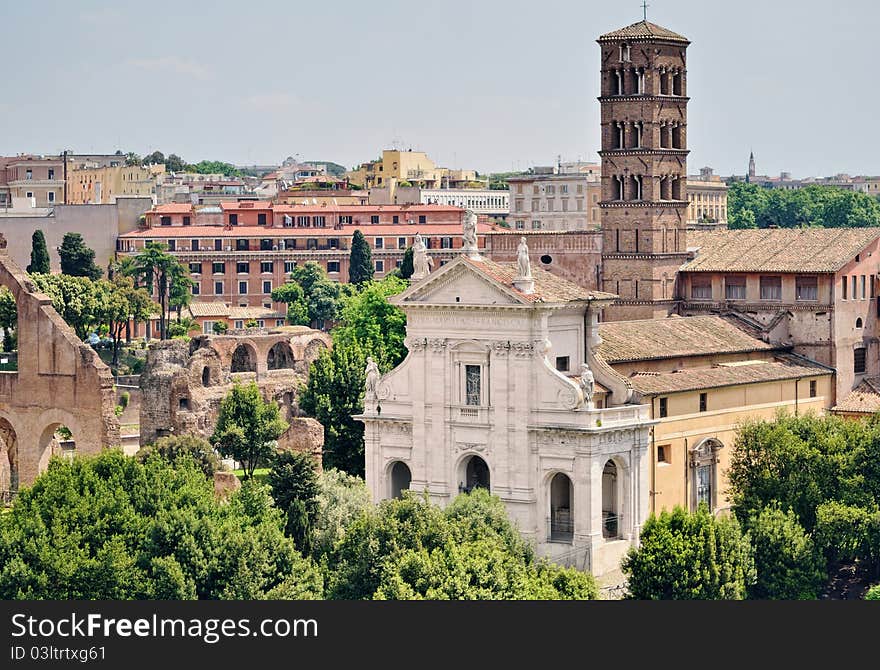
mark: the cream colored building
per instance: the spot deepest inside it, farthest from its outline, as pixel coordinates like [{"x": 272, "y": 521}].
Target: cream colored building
[
  {"x": 102, "y": 185},
  {"x": 489, "y": 396},
  {"x": 413, "y": 167},
  {"x": 551, "y": 201},
  {"x": 702, "y": 376},
  {"x": 707, "y": 195}
]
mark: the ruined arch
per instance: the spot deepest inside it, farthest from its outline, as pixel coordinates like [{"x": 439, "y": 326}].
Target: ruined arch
[
  {"x": 280, "y": 356},
  {"x": 313, "y": 350},
  {"x": 9, "y": 465},
  {"x": 244, "y": 358}
]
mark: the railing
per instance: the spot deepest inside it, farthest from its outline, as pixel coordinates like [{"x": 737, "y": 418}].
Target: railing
[
  {"x": 561, "y": 526},
  {"x": 610, "y": 525},
  {"x": 471, "y": 414}
]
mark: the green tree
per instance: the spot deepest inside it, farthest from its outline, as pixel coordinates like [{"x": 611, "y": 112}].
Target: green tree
[
  {"x": 179, "y": 289},
  {"x": 685, "y": 556},
  {"x": 132, "y": 159},
  {"x": 873, "y": 593},
  {"x": 334, "y": 392},
  {"x": 341, "y": 498},
  {"x": 174, "y": 163},
  {"x": 158, "y": 270},
  {"x": 377, "y": 326},
  {"x": 183, "y": 327},
  {"x": 77, "y": 260},
  {"x": 787, "y": 563},
  {"x": 292, "y": 295},
  {"x": 81, "y": 302},
  {"x": 248, "y": 427},
  {"x": 155, "y": 158},
  {"x": 360, "y": 265},
  {"x": 39, "y": 254},
  {"x": 406, "y": 266},
  {"x": 175, "y": 448},
  {"x": 411, "y": 549},
  {"x": 294, "y": 486},
  {"x": 8, "y": 318},
  {"x": 214, "y": 167},
  {"x": 299, "y": 526},
  {"x": 219, "y": 327},
  {"x": 123, "y": 304},
  {"x": 109, "y": 527}
]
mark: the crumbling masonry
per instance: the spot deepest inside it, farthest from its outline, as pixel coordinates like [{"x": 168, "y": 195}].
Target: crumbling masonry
[{"x": 183, "y": 382}]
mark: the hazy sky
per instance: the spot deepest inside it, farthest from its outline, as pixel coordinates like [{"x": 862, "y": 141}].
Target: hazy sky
[{"x": 486, "y": 84}]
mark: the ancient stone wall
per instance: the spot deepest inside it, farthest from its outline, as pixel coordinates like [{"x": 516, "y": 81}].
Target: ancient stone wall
[
  {"x": 183, "y": 383},
  {"x": 60, "y": 381}
]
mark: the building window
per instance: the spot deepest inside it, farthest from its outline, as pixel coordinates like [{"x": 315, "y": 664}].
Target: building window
[
  {"x": 194, "y": 245},
  {"x": 423, "y": 218},
  {"x": 807, "y": 288},
  {"x": 332, "y": 266},
  {"x": 401, "y": 243},
  {"x": 446, "y": 243},
  {"x": 289, "y": 267},
  {"x": 379, "y": 243},
  {"x": 51, "y": 196},
  {"x": 859, "y": 361},
  {"x": 854, "y": 287},
  {"x": 701, "y": 287},
  {"x": 261, "y": 219},
  {"x": 303, "y": 221},
  {"x": 735, "y": 288},
  {"x": 664, "y": 407},
  {"x": 172, "y": 245},
  {"x": 187, "y": 221},
  {"x": 664, "y": 454},
  {"x": 233, "y": 219},
  {"x": 771, "y": 288},
  {"x": 863, "y": 284},
  {"x": 279, "y": 322},
  {"x": 165, "y": 220},
  {"x": 218, "y": 245},
  {"x": 267, "y": 266},
  {"x": 51, "y": 173},
  {"x": 218, "y": 288},
  {"x": 345, "y": 218},
  {"x": 374, "y": 218},
  {"x": 703, "y": 463},
  {"x": 196, "y": 288},
  {"x": 843, "y": 285},
  {"x": 536, "y": 225},
  {"x": 241, "y": 245},
  {"x": 243, "y": 268},
  {"x": 562, "y": 363},
  {"x": 520, "y": 225},
  {"x": 239, "y": 325},
  {"x": 195, "y": 268},
  {"x": 812, "y": 388},
  {"x": 624, "y": 53},
  {"x": 472, "y": 384},
  {"x": 319, "y": 222},
  {"x": 380, "y": 266},
  {"x": 242, "y": 288},
  {"x": 29, "y": 174},
  {"x": 266, "y": 245},
  {"x": 208, "y": 329},
  {"x": 859, "y": 322},
  {"x": 395, "y": 219},
  {"x": 267, "y": 286},
  {"x": 704, "y": 397}
]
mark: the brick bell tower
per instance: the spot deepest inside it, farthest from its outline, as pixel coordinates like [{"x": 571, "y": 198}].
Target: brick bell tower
[{"x": 644, "y": 168}]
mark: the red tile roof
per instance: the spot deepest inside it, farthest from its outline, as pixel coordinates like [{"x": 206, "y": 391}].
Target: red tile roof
[
  {"x": 369, "y": 230},
  {"x": 172, "y": 208},
  {"x": 863, "y": 399},
  {"x": 246, "y": 205}
]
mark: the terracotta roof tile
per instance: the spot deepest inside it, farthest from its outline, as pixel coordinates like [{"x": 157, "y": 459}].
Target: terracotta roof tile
[
  {"x": 548, "y": 287},
  {"x": 863, "y": 399},
  {"x": 777, "y": 250},
  {"x": 208, "y": 309},
  {"x": 643, "y": 30},
  {"x": 782, "y": 367},
  {"x": 674, "y": 337}
]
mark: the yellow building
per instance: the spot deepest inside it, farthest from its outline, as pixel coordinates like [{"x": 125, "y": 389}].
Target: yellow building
[
  {"x": 102, "y": 185},
  {"x": 409, "y": 166},
  {"x": 702, "y": 377},
  {"x": 707, "y": 198}
]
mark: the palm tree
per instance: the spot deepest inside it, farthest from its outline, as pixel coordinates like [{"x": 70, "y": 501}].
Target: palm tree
[{"x": 155, "y": 266}]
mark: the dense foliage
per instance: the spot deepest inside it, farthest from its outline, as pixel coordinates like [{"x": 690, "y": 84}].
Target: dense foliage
[
  {"x": 690, "y": 556},
  {"x": 77, "y": 260},
  {"x": 190, "y": 447},
  {"x": 753, "y": 206},
  {"x": 8, "y": 318},
  {"x": 111, "y": 527},
  {"x": 341, "y": 499},
  {"x": 248, "y": 427},
  {"x": 410, "y": 549},
  {"x": 825, "y": 469},
  {"x": 310, "y": 295}
]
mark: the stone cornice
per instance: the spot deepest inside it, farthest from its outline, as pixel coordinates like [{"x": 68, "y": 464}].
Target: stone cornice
[
  {"x": 743, "y": 306},
  {"x": 640, "y": 97},
  {"x": 644, "y": 151},
  {"x": 643, "y": 204}
]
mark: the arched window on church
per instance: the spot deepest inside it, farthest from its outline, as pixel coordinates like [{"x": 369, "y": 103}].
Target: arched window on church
[{"x": 624, "y": 53}]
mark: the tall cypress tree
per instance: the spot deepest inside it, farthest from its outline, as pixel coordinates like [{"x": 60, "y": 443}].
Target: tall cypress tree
[
  {"x": 39, "y": 254},
  {"x": 360, "y": 265},
  {"x": 406, "y": 267}
]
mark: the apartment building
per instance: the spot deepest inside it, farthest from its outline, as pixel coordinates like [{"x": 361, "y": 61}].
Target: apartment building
[{"x": 547, "y": 200}]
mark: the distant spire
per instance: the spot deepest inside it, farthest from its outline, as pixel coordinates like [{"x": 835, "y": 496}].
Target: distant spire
[
  {"x": 645, "y": 6},
  {"x": 751, "y": 173}
]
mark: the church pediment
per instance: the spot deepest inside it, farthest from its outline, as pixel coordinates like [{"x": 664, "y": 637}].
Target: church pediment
[{"x": 459, "y": 283}]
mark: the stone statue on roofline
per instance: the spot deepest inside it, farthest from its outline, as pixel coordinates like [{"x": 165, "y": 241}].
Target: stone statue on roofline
[
  {"x": 469, "y": 223},
  {"x": 523, "y": 265},
  {"x": 588, "y": 385},
  {"x": 371, "y": 384},
  {"x": 422, "y": 263}
]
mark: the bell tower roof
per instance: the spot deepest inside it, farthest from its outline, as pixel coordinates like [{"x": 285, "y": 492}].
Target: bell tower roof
[{"x": 644, "y": 30}]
